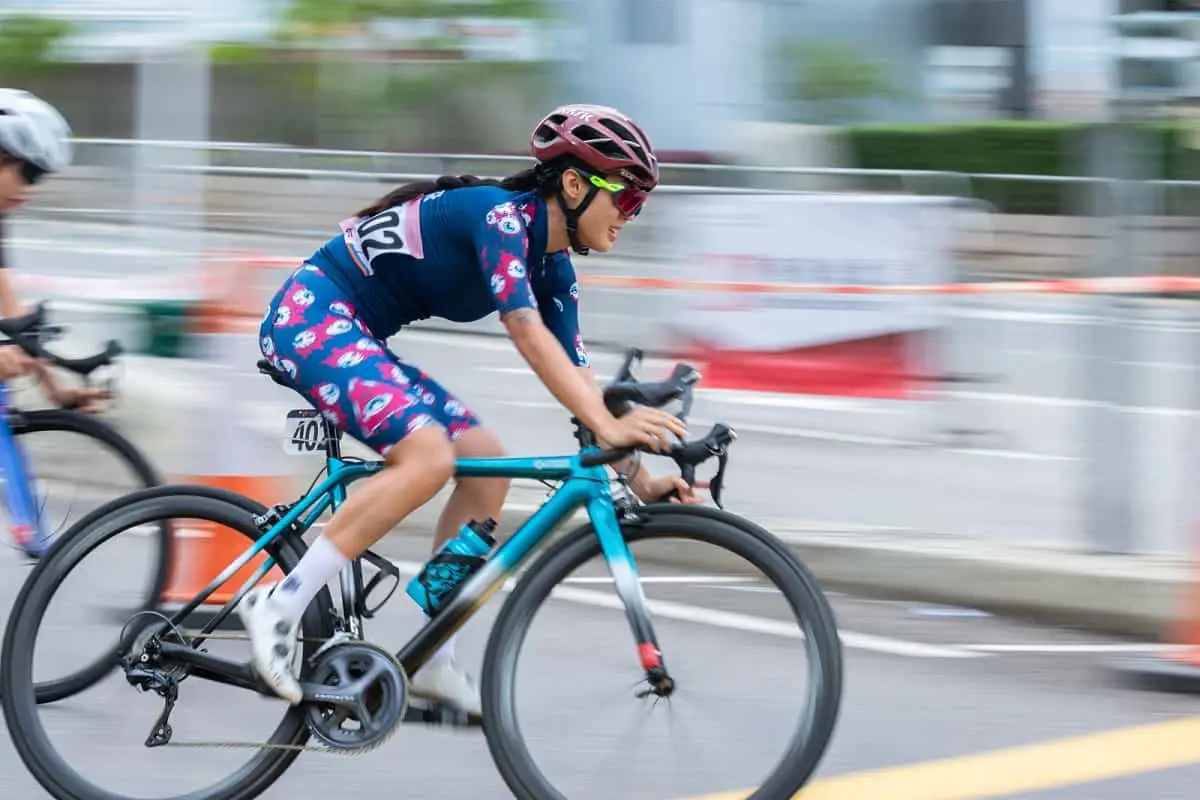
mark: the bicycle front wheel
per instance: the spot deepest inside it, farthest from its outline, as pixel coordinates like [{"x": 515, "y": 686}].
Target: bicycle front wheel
[
  {"x": 750, "y": 559},
  {"x": 89, "y": 461},
  {"x": 64, "y": 461}
]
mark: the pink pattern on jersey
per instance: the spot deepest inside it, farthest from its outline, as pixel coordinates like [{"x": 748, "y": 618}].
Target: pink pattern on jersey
[
  {"x": 375, "y": 403},
  {"x": 528, "y": 213},
  {"x": 342, "y": 309},
  {"x": 345, "y": 357},
  {"x": 458, "y": 427},
  {"x": 507, "y": 277},
  {"x": 315, "y": 338}
]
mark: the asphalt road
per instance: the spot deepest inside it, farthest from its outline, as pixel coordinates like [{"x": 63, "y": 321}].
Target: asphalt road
[{"x": 939, "y": 704}]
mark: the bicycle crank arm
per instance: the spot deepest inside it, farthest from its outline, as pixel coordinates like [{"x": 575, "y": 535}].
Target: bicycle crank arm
[
  {"x": 422, "y": 711},
  {"x": 213, "y": 668}
]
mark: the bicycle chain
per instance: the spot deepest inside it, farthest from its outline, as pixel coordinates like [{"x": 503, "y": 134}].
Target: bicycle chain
[{"x": 304, "y": 748}]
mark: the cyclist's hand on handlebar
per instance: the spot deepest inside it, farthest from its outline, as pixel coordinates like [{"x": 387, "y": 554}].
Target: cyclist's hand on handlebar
[
  {"x": 643, "y": 427},
  {"x": 85, "y": 399},
  {"x": 14, "y": 362},
  {"x": 658, "y": 489}
]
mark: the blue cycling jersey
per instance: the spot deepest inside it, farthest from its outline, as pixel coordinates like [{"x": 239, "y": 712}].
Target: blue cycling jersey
[{"x": 459, "y": 255}]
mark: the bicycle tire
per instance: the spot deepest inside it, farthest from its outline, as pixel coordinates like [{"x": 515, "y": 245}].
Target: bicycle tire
[
  {"x": 83, "y": 679},
  {"x": 751, "y": 542},
  {"x": 65, "y": 421},
  {"x": 17, "y": 696}
]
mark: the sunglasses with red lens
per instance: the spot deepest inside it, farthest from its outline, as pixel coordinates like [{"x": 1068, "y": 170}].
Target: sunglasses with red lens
[{"x": 628, "y": 200}]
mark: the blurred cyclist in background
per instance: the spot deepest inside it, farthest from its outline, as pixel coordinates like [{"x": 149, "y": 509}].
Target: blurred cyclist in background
[
  {"x": 35, "y": 141},
  {"x": 458, "y": 248}
]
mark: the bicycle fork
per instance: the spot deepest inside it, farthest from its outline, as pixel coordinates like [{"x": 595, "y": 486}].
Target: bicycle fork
[
  {"x": 25, "y": 519},
  {"x": 629, "y": 589}
]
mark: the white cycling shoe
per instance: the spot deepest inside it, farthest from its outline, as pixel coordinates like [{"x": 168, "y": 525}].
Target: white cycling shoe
[
  {"x": 272, "y": 641},
  {"x": 449, "y": 684}
]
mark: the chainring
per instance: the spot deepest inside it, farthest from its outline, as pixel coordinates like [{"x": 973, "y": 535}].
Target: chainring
[{"x": 374, "y": 692}]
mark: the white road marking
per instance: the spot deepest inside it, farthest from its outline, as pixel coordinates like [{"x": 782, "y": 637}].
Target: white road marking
[
  {"x": 750, "y": 589},
  {"x": 1065, "y": 649},
  {"x": 741, "y": 622},
  {"x": 697, "y": 580}
]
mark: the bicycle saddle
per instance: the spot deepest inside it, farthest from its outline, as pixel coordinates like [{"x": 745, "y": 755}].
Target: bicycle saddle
[
  {"x": 268, "y": 369},
  {"x": 621, "y": 396}
]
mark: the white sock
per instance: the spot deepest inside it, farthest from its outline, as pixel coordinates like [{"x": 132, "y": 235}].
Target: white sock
[
  {"x": 445, "y": 654},
  {"x": 318, "y": 566}
]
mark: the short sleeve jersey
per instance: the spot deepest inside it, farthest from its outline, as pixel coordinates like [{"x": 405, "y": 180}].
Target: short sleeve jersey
[{"x": 457, "y": 255}]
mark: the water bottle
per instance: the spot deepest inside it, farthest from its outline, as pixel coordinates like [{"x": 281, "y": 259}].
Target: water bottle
[{"x": 453, "y": 563}]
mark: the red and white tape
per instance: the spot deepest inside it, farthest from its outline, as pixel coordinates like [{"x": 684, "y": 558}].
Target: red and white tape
[
  {"x": 1150, "y": 284},
  {"x": 170, "y": 287}
]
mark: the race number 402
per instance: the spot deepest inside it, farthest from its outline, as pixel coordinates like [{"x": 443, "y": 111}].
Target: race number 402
[{"x": 304, "y": 432}]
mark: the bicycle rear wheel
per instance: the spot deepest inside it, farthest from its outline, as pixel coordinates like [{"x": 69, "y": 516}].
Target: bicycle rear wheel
[
  {"x": 751, "y": 544},
  {"x": 19, "y": 700}
]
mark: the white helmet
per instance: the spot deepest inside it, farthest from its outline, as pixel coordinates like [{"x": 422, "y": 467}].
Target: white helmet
[{"x": 32, "y": 130}]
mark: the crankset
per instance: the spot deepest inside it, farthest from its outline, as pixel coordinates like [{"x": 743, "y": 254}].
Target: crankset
[{"x": 356, "y": 694}]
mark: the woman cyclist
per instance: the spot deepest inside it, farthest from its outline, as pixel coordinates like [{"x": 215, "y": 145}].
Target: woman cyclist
[
  {"x": 457, "y": 248},
  {"x": 35, "y": 141}
]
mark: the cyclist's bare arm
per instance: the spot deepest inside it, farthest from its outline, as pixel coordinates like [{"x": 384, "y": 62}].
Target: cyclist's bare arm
[
  {"x": 10, "y": 306},
  {"x": 13, "y": 360},
  {"x": 548, "y": 360}
]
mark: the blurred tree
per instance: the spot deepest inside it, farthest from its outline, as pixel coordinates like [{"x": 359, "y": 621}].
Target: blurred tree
[
  {"x": 27, "y": 41},
  {"x": 833, "y": 82},
  {"x": 325, "y": 12}
]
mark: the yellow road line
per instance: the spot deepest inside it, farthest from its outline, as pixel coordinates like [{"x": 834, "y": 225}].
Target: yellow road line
[{"x": 1048, "y": 765}]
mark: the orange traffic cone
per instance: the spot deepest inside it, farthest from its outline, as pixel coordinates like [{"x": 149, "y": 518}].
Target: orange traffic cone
[{"x": 1177, "y": 667}]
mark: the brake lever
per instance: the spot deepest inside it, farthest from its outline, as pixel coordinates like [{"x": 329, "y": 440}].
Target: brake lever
[
  {"x": 625, "y": 373},
  {"x": 718, "y": 481}
]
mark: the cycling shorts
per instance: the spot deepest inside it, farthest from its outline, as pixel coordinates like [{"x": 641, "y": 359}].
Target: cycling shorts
[{"x": 312, "y": 333}]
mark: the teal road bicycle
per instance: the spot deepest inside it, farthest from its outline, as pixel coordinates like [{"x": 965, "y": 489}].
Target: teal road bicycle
[{"x": 357, "y": 693}]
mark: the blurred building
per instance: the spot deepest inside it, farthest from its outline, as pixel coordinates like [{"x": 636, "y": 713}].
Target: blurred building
[{"x": 114, "y": 30}]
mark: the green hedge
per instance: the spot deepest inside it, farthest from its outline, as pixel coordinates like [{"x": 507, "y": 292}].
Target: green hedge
[{"x": 1022, "y": 148}]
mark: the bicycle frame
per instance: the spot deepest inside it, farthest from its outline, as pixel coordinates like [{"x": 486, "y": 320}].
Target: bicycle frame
[
  {"x": 25, "y": 517},
  {"x": 583, "y": 486}
]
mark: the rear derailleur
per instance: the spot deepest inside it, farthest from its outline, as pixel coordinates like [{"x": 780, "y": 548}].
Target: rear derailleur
[{"x": 145, "y": 670}]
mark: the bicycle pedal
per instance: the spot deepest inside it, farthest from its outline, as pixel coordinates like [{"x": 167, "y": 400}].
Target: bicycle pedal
[{"x": 423, "y": 711}]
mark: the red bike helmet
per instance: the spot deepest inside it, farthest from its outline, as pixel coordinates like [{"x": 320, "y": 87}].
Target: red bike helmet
[
  {"x": 602, "y": 138},
  {"x": 605, "y": 141}
]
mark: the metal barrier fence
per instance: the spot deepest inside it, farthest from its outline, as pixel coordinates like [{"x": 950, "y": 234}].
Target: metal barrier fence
[{"x": 1070, "y": 418}]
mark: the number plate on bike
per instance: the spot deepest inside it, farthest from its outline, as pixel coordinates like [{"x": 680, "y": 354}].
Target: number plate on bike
[{"x": 304, "y": 432}]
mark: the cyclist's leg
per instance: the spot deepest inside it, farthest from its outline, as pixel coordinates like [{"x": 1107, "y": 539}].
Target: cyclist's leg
[
  {"x": 472, "y": 498},
  {"x": 313, "y": 334}
]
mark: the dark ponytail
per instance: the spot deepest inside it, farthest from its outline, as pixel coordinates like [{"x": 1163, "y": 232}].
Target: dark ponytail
[{"x": 540, "y": 177}]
